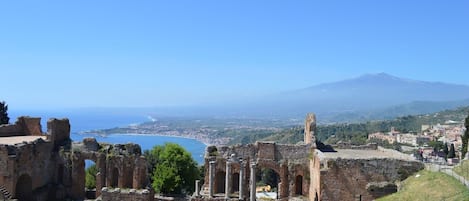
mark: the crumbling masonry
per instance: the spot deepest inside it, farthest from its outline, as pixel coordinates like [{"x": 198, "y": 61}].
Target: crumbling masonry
[
  {"x": 305, "y": 171},
  {"x": 48, "y": 166}
]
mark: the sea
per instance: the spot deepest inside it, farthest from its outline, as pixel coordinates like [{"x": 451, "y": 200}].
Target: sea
[{"x": 88, "y": 121}]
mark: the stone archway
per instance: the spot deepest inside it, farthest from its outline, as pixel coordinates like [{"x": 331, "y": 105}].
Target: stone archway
[
  {"x": 299, "y": 185},
  {"x": 24, "y": 188},
  {"x": 91, "y": 170},
  {"x": 281, "y": 172}
]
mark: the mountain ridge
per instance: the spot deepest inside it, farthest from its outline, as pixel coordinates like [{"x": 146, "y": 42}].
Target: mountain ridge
[{"x": 369, "y": 91}]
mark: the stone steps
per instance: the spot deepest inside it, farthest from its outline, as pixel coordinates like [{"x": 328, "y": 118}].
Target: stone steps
[{"x": 6, "y": 195}]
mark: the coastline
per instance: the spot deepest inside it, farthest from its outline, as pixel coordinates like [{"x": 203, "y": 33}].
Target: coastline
[{"x": 203, "y": 141}]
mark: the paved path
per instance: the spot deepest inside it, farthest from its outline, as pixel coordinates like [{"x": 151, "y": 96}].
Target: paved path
[{"x": 20, "y": 139}]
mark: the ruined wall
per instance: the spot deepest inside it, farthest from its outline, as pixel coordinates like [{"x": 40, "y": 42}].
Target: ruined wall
[
  {"x": 293, "y": 153},
  {"x": 290, "y": 162},
  {"x": 352, "y": 179},
  {"x": 54, "y": 169},
  {"x": 22, "y": 127},
  {"x": 113, "y": 194},
  {"x": 7, "y": 130},
  {"x": 119, "y": 166},
  {"x": 32, "y": 160},
  {"x": 263, "y": 150},
  {"x": 59, "y": 131},
  {"x": 369, "y": 146}
]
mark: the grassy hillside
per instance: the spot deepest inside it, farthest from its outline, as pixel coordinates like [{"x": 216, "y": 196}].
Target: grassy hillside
[
  {"x": 463, "y": 169},
  {"x": 430, "y": 186}
]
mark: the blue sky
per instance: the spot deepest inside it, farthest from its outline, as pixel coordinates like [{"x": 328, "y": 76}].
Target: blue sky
[{"x": 56, "y": 54}]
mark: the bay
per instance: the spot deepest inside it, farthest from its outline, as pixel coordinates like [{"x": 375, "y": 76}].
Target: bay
[
  {"x": 94, "y": 119},
  {"x": 148, "y": 141}
]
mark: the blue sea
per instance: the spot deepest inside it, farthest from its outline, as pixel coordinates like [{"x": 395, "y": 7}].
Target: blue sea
[
  {"x": 91, "y": 120},
  {"x": 148, "y": 141}
]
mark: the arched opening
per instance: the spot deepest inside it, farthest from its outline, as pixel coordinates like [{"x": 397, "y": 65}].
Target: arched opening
[
  {"x": 316, "y": 197},
  {"x": 299, "y": 185},
  {"x": 235, "y": 182},
  {"x": 90, "y": 179},
  {"x": 115, "y": 177},
  {"x": 24, "y": 188},
  {"x": 220, "y": 182},
  {"x": 267, "y": 183}
]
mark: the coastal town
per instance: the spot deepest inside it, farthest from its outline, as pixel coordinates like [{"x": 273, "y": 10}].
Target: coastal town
[
  {"x": 449, "y": 134},
  {"x": 207, "y": 131}
]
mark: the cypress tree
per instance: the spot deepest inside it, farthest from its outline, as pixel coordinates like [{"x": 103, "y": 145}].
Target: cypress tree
[
  {"x": 452, "y": 152},
  {"x": 465, "y": 138},
  {"x": 4, "y": 119}
]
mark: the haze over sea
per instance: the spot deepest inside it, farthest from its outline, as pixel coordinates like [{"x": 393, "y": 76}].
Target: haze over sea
[{"x": 84, "y": 122}]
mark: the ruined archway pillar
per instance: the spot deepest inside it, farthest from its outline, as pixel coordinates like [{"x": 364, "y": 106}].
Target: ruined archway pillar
[
  {"x": 228, "y": 179},
  {"x": 284, "y": 186},
  {"x": 78, "y": 175},
  {"x": 252, "y": 183},
  {"x": 211, "y": 178},
  {"x": 139, "y": 173},
  {"x": 241, "y": 181},
  {"x": 108, "y": 172},
  {"x": 101, "y": 175}
]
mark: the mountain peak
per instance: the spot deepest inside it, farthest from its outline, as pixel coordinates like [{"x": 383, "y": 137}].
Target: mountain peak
[{"x": 381, "y": 75}]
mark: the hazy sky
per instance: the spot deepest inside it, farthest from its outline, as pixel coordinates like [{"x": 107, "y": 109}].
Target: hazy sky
[{"x": 150, "y": 53}]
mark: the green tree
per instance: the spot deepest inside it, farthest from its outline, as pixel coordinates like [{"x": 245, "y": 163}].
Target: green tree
[
  {"x": 175, "y": 171},
  {"x": 452, "y": 152},
  {"x": 437, "y": 145},
  {"x": 202, "y": 174},
  {"x": 4, "y": 119},
  {"x": 465, "y": 138},
  {"x": 153, "y": 158},
  {"x": 269, "y": 177},
  {"x": 90, "y": 178}
]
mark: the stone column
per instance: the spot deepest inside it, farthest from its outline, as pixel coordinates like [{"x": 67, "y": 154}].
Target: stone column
[
  {"x": 252, "y": 183},
  {"x": 197, "y": 188},
  {"x": 241, "y": 181},
  {"x": 211, "y": 177},
  {"x": 228, "y": 179}
]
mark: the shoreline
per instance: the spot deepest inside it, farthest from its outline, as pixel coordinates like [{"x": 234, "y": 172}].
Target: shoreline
[{"x": 206, "y": 143}]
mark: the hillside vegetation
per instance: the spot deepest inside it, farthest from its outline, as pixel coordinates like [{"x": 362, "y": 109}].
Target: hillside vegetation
[
  {"x": 355, "y": 133},
  {"x": 426, "y": 186}
]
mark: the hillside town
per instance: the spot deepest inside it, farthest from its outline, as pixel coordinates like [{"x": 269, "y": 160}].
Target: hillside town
[{"x": 449, "y": 134}]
